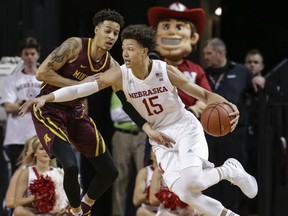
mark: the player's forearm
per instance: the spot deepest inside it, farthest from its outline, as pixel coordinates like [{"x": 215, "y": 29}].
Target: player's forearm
[
  {"x": 73, "y": 92},
  {"x": 53, "y": 78},
  {"x": 214, "y": 98}
]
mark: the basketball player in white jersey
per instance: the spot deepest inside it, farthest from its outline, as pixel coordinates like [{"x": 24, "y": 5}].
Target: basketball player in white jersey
[{"x": 176, "y": 135}]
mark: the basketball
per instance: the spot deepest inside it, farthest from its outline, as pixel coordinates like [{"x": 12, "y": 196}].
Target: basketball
[{"x": 215, "y": 119}]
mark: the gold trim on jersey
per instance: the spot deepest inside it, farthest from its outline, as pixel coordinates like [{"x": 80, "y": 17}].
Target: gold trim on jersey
[
  {"x": 50, "y": 125},
  {"x": 100, "y": 143},
  {"x": 43, "y": 85},
  {"x": 90, "y": 61}
]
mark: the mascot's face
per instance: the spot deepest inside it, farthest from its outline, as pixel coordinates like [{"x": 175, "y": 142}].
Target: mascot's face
[{"x": 174, "y": 39}]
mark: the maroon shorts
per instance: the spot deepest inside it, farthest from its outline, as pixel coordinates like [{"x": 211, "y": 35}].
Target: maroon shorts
[{"x": 71, "y": 125}]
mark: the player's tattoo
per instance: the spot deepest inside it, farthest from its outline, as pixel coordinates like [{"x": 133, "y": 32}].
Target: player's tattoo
[{"x": 63, "y": 51}]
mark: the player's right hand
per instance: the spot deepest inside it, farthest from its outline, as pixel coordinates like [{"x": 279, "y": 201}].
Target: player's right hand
[{"x": 27, "y": 106}]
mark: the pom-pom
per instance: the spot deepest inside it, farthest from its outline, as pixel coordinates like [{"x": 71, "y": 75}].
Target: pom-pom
[
  {"x": 61, "y": 199},
  {"x": 44, "y": 190},
  {"x": 169, "y": 199},
  {"x": 49, "y": 192}
]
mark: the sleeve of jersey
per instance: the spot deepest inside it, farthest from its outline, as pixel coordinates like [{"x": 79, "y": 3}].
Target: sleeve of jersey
[
  {"x": 130, "y": 110},
  {"x": 76, "y": 91}
]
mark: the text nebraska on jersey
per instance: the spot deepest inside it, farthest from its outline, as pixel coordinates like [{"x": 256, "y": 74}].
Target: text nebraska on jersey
[{"x": 148, "y": 92}]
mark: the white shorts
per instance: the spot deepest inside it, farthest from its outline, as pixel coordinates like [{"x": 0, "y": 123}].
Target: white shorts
[
  {"x": 179, "y": 211},
  {"x": 190, "y": 149}
]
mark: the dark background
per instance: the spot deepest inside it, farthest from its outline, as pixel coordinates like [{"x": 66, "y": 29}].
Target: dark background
[{"x": 243, "y": 25}]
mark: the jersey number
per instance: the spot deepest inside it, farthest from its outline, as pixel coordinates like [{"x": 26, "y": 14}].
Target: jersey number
[{"x": 152, "y": 107}]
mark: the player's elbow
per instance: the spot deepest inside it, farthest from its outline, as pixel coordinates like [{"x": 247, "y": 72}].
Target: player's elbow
[{"x": 40, "y": 76}]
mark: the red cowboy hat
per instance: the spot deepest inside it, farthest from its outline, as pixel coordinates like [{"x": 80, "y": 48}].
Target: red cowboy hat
[{"x": 178, "y": 11}]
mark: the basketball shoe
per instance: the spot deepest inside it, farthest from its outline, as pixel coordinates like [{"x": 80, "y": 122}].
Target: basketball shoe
[
  {"x": 233, "y": 171},
  {"x": 86, "y": 210}
]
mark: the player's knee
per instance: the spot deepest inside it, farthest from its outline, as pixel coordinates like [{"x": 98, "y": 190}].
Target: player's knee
[
  {"x": 110, "y": 172},
  {"x": 197, "y": 185},
  {"x": 113, "y": 174}
]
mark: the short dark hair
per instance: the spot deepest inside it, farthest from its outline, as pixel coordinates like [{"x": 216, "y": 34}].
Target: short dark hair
[
  {"x": 254, "y": 52},
  {"x": 108, "y": 14},
  {"x": 29, "y": 42},
  {"x": 143, "y": 34}
]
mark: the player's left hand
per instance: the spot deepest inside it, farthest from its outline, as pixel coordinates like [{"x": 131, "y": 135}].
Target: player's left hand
[
  {"x": 162, "y": 139},
  {"x": 158, "y": 136}
]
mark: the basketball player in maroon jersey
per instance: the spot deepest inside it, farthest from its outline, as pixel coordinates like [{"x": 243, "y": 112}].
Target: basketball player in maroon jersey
[{"x": 59, "y": 125}]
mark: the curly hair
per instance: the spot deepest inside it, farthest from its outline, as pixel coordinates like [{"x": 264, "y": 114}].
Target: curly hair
[
  {"x": 108, "y": 14},
  {"x": 143, "y": 34}
]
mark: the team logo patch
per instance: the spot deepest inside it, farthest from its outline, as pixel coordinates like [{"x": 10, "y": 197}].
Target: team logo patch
[{"x": 47, "y": 139}]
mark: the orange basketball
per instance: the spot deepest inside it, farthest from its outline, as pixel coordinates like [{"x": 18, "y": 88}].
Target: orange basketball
[{"x": 215, "y": 119}]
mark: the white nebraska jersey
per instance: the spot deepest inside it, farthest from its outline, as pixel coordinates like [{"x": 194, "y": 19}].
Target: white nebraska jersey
[{"x": 155, "y": 98}]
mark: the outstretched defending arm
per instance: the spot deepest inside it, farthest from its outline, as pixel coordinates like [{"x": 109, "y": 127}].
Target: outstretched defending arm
[
  {"x": 64, "y": 94},
  {"x": 73, "y": 92}
]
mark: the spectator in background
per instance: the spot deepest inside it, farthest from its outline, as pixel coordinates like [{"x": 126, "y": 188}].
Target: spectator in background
[
  {"x": 168, "y": 202},
  {"x": 254, "y": 61},
  {"x": 20, "y": 86},
  {"x": 10, "y": 193},
  {"x": 231, "y": 80},
  {"x": 128, "y": 148},
  {"x": 42, "y": 198},
  {"x": 141, "y": 196}
]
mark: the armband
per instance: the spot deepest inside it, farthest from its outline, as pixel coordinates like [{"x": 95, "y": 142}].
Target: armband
[{"x": 130, "y": 110}]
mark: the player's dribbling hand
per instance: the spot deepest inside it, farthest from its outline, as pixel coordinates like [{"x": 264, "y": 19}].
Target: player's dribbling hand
[{"x": 235, "y": 114}]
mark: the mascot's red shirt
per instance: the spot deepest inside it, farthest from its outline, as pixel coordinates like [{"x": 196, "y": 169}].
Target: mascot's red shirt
[{"x": 197, "y": 75}]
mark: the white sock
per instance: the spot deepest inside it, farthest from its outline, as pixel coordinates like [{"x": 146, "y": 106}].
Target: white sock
[
  {"x": 223, "y": 174},
  {"x": 230, "y": 213}
]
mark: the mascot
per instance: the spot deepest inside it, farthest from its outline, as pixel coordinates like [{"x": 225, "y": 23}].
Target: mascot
[{"x": 178, "y": 31}]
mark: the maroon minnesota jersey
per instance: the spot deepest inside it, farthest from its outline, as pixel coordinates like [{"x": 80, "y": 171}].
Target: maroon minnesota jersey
[{"x": 79, "y": 69}]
